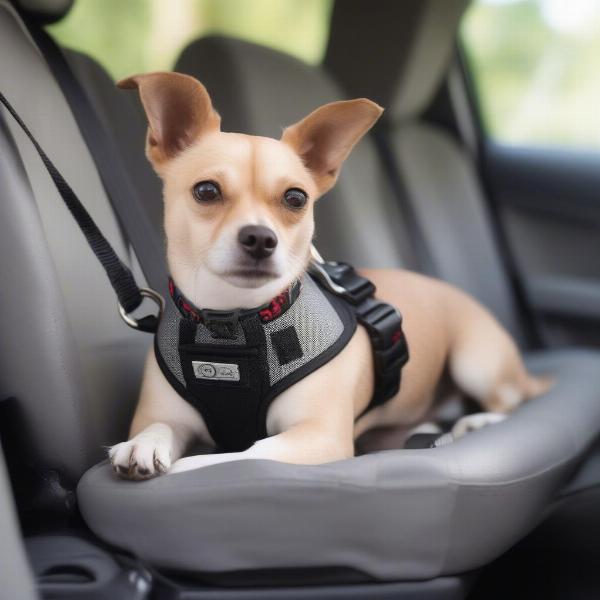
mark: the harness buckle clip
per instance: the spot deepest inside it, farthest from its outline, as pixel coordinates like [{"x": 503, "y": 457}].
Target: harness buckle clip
[
  {"x": 222, "y": 324},
  {"x": 343, "y": 280},
  {"x": 340, "y": 278}
]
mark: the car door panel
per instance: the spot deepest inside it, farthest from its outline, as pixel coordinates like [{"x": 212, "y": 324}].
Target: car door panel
[{"x": 549, "y": 201}]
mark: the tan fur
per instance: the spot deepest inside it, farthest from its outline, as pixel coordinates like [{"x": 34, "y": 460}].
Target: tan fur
[{"x": 313, "y": 421}]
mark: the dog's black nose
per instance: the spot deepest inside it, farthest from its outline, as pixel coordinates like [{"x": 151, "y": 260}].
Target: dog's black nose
[{"x": 257, "y": 240}]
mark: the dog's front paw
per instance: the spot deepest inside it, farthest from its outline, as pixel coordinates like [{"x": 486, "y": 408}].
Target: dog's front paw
[
  {"x": 474, "y": 422},
  {"x": 146, "y": 455}
]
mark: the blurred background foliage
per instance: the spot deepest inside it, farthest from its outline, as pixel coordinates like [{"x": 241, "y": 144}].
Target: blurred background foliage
[
  {"x": 535, "y": 63},
  {"x": 131, "y": 36},
  {"x": 536, "y": 69}
]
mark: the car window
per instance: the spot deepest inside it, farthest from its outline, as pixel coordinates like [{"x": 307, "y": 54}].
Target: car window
[
  {"x": 536, "y": 69},
  {"x": 147, "y": 35}
]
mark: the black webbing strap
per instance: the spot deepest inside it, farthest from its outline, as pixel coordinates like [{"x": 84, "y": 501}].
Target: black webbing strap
[
  {"x": 382, "y": 321},
  {"x": 123, "y": 196},
  {"x": 414, "y": 231},
  {"x": 121, "y": 278}
]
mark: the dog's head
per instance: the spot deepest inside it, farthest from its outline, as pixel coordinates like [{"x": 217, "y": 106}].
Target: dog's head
[{"x": 239, "y": 208}]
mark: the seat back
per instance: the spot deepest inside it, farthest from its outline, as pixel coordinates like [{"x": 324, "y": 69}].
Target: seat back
[
  {"x": 69, "y": 368},
  {"x": 417, "y": 39}
]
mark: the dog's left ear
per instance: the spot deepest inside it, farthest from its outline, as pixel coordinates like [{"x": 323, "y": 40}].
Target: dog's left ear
[
  {"x": 179, "y": 110},
  {"x": 325, "y": 138}
]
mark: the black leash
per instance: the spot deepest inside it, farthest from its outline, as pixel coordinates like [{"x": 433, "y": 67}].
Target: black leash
[
  {"x": 129, "y": 295},
  {"x": 123, "y": 196}
]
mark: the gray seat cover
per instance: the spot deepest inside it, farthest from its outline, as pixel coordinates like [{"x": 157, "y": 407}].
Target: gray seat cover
[{"x": 399, "y": 514}]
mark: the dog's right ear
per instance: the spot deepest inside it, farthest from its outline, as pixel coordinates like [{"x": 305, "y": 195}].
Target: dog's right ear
[{"x": 179, "y": 111}]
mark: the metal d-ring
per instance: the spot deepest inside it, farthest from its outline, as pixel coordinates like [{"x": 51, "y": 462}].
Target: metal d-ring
[{"x": 146, "y": 293}]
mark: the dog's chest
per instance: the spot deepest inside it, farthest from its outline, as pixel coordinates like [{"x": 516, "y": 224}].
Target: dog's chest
[{"x": 231, "y": 370}]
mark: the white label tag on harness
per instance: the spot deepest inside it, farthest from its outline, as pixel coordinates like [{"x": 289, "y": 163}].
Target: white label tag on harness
[{"x": 216, "y": 371}]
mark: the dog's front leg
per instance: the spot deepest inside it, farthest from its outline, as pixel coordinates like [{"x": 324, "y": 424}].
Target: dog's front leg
[
  {"x": 312, "y": 422},
  {"x": 307, "y": 443},
  {"x": 163, "y": 428}
]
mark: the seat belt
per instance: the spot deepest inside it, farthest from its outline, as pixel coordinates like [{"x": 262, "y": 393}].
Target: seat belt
[
  {"x": 423, "y": 256},
  {"x": 129, "y": 295},
  {"x": 123, "y": 196}
]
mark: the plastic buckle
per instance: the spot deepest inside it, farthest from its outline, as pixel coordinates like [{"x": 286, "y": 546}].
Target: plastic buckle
[
  {"x": 322, "y": 274},
  {"x": 392, "y": 359},
  {"x": 382, "y": 319},
  {"x": 343, "y": 280},
  {"x": 222, "y": 324},
  {"x": 358, "y": 288}
]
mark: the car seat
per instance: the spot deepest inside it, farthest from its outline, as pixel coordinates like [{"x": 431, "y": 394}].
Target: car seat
[{"x": 392, "y": 516}]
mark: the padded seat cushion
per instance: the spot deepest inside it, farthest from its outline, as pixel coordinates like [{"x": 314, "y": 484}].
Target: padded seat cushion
[{"x": 399, "y": 514}]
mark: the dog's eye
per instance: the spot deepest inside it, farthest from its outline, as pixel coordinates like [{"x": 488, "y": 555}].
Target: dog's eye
[
  {"x": 295, "y": 198},
  {"x": 206, "y": 191}
]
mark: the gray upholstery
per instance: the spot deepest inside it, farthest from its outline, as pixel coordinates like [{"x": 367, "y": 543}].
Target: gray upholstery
[
  {"x": 405, "y": 514},
  {"x": 45, "y": 11},
  {"x": 69, "y": 363},
  {"x": 16, "y": 578},
  {"x": 450, "y": 207},
  {"x": 124, "y": 120},
  {"x": 393, "y": 52}
]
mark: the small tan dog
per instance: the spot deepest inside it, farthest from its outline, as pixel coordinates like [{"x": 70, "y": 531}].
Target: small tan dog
[{"x": 216, "y": 184}]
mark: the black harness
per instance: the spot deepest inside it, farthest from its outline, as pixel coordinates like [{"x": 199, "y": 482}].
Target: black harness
[{"x": 230, "y": 365}]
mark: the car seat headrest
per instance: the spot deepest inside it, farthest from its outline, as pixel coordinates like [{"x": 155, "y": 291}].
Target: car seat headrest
[
  {"x": 44, "y": 11},
  {"x": 395, "y": 53},
  {"x": 255, "y": 89}
]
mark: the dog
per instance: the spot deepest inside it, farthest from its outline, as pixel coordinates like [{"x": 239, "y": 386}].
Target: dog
[{"x": 216, "y": 185}]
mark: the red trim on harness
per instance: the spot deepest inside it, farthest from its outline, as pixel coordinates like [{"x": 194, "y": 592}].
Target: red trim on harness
[{"x": 275, "y": 308}]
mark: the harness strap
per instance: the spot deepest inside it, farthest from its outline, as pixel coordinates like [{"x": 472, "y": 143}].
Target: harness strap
[
  {"x": 382, "y": 321},
  {"x": 121, "y": 278}
]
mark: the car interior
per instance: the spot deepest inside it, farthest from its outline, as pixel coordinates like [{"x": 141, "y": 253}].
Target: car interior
[{"x": 510, "y": 511}]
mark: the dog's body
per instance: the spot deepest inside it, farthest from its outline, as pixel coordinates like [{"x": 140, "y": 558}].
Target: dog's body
[{"x": 239, "y": 225}]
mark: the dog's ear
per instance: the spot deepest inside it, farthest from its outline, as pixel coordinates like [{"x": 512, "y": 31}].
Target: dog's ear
[
  {"x": 325, "y": 138},
  {"x": 179, "y": 111}
]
